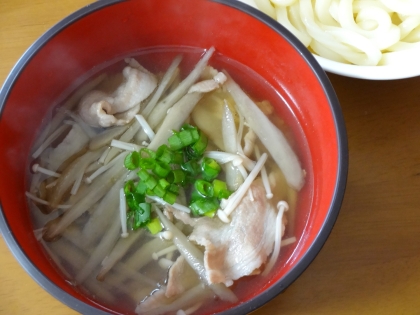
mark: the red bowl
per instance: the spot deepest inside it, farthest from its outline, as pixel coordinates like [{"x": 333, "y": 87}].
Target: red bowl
[{"x": 107, "y": 30}]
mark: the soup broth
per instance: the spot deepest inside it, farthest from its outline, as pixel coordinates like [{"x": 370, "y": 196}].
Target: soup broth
[{"x": 98, "y": 247}]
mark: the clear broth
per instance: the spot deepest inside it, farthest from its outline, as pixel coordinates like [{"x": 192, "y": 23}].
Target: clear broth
[{"x": 157, "y": 60}]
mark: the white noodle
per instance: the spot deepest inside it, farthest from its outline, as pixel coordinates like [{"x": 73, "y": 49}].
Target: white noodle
[
  {"x": 360, "y": 32},
  {"x": 283, "y": 19}
]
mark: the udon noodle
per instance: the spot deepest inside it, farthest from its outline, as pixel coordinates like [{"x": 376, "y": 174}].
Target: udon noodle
[
  {"x": 158, "y": 193},
  {"x": 360, "y": 32}
]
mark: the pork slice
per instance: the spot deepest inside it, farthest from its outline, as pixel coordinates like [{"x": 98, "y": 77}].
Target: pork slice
[
  {"x": 137, "y": 86},
  {"x": 181, "y": 278},
  {"x": 237, "y": 249},
  {"x": 99, "y": 109}
]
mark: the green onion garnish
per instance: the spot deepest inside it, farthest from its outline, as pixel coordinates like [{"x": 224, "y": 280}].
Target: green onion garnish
[
  {"x": 128, "y": 187},
  {"x": 164, "y": 154},
  {"x": 147, "y": 153},
  {"x": 164, "y": 172},
  {"x": 141, "y": 216},
  {"x": 220, "y": 189},
  {"x": 170, "y": 197},
  {"x": 198, "y": 148},
  {"x": 204, "y": 188},
  {"x": 131, "y": 161},
  {"x": 161, "y": 169},
  {"x": 175, "y": 142},
  {"x": 147, "y": 163},
  {"x": 154, "y": 226},
  {"x": 176, "y": 176},
  {"x": 151, "y": 182},
  {"x": 159, "y": 191},
  {"x": 202, "y": 206},
  {"x": 141, "y": 187},
  {"x": 210, "y": 168},
  {"x": 191, "y": 167}
]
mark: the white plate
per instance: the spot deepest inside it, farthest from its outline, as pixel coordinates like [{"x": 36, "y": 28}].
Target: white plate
[{"x": 400, "y": 71}]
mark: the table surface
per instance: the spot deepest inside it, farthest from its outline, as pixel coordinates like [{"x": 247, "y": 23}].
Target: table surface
[{"x": 370, "y": 263}]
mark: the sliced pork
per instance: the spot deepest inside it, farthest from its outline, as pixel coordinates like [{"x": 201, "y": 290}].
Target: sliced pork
[
  {"x": 239, "y": 248},
  {"x": 181, "y": 278},
  {"x": 100, "y": 109}
]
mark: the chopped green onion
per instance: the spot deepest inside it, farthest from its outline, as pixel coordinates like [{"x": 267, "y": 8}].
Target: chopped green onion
[
  {"x": 144, "y": 175},
  {"x": 161, "y": 169},
  {"x": 150, "y": 192},
  {"x": 176, "y": 176},
  {"x": 133, "y": 200},
  {"x": 189, "y": 179},
  {"x": 198, "y": 148},
  {"x": 204, "y": 205},
  {"x": 186, "y": 137},
  {"x": 220, "y": 189},
  {"x": 164, "y": 172},
  {"x": 192, "y": 129},
  {"x": 141, "y": 187},
  {"x": 210, "y": 168},
  {"x": 195, "y": 195},
  {"x": 210, "y": 214},
  {"x": 159, "y": 191},
  {"x": 147, "y": 163},
  {"x": 177, "y": 157},
  {"x": 154, "y": 226},
  {"x": 131, "y": 161},
  {"x": 164, "y": 154},
  {"x": 175, "y": 142},
  {"x": 173, "y": 188},
  {"x": 170, "y": 197},
  {"x": 142, "y": 216},
  {"x": 205, "y": 189},
  {"x": 128, "y": 187},
  {"x": 191, "y": 167},
  {"x": 163, "y": 183},
  {"x": 224, "y": 194},
  {"x": 147, "y": 153},
  {"x": 151, "y": 182}
]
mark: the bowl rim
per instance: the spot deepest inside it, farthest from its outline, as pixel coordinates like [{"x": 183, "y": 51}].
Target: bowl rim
[
  {"x": 338, "y": 194},
  {"x": 391, "y": 72}
]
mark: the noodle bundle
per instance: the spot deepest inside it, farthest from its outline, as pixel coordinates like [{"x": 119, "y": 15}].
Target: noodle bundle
[{"x": 360, "y": 32}]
